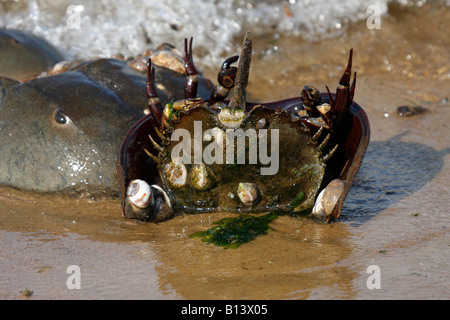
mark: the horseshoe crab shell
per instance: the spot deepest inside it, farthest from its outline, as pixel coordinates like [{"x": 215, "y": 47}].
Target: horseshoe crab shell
[{"x": 317, "y": 144}]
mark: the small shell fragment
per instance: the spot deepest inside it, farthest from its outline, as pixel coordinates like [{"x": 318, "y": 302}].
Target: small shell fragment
[
  {"x": 231, "y": 118},
  {"x": 139, "y": 63},
  {"x": 170, "y": 59},
  {"x": 201, "y": 177},
  {"x": 261, "y": 124},
  {"x": 318, "y": 122},
  {"x": 318, "y": 211},
  {"x": 328, "y": 198},
  {"x": 302, "y": 113},
  {"x": 324, "y": 108},
  {"x": 139, "y": 193},
  {"x": 248, "y": 193},
  {"x": 176, "y": 173},
  {"x": 333, "y": 192}
]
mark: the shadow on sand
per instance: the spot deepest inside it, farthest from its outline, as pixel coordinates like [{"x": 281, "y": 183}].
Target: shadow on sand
[{"x": 391, "y": 170}]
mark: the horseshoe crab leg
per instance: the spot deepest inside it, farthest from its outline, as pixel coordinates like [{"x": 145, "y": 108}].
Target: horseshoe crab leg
[
  {"x": 327, "y": 157},
  {"x": 343, "y": 94},
  {"x": 191, "y": 84},
  {"x": 330, "y": 96},
  {"x": 317, "y": 135},
  {"x": 226, "y": 78},
  {"x": 352, "y": 90},
  {"x": 345, "y": 79},
  {"x": 324, "y": 143},
  {"x": 157, "y": 147},
  {"x": 154, "y": 104}
]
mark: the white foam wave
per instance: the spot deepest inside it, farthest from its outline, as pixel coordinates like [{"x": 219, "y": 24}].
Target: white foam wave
[{"x": 108, "y": 27}]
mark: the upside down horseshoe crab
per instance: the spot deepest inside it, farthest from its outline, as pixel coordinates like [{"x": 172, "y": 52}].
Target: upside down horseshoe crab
[{"x": 200, "y": 155}]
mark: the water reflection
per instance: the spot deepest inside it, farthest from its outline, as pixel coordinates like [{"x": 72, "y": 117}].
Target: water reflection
[
  {"x": 391, "y": 171},
  {"x": 297, "y": 259}
]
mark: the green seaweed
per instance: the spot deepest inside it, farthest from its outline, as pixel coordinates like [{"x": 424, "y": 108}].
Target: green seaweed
[
  {"x": 170, "y": 105},
  {"x": 297, "y": 201},
  {"x": 235, "y": 231}
]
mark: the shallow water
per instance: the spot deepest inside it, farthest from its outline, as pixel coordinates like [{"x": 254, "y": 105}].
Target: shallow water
[{"x": 395, "y": 216}]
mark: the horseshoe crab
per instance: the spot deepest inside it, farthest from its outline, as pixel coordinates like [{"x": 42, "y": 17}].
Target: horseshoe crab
[
  {"x": 24, "y": 55},
  {"x": 317, "y": 142},
  {"x": 61, "y": 131}
]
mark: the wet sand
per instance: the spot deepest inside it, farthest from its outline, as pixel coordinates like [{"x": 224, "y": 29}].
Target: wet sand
[{"x": 395, "y": 215}]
